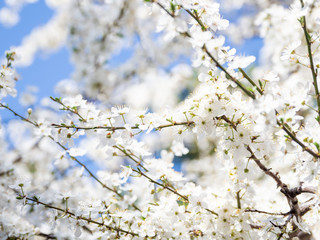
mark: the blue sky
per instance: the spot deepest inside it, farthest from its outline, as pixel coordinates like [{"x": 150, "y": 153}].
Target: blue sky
[{"x": 46, "y": 71}]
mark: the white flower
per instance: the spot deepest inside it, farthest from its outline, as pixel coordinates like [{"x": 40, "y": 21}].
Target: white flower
[
  {"x": 76, "y": 101},
  {"x": 204, "y": 77},
  {"x": 7, "y": 82},
  {"x": 119, "y": 110},
  {"x": 178, "y": 148},
  {"x": 151, "y": 121},
  {"x": 66, "y": 195},
  {"x": 271, "y": 77},
  {"x": 297, "y": 11},
  {"x": 125, "y": 173},
  {"x": 241, "y": 62},
  {"x": 215, "y": 43},
  {"x": 43, "y": 129},
  {"x": 143, "y": 127},
  {"x": 289, "y": 51},
  {"x": 199, "y": 38},
  {"x": 74, "y": 152},
  {"x": 139, "y": 148},
  {"x": 21, "y": 182}
]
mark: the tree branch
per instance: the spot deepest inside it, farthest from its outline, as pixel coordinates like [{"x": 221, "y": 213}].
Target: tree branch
[
  {"x": 71, "y": 214},
  {"x": 228, "y": 75},
  {"x": 73, "y": 158},
  {"x": 307, "y": 36},
  {"x": 168, "y": 188},
  {"x": 295, "y": 139},
  {"x": 264, "y": 212},
  {"x": 112, "y": 129},
  {"x": 290, "y": 194},
  {"x": 204, "y": 48}
]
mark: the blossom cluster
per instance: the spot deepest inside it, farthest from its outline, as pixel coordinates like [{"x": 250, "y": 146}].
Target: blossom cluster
[
  {"x": 185, "y": 139},
  {"x": 8, "y": 78}
]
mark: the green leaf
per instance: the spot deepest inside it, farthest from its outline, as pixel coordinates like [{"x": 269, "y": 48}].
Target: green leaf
[
  {"x": 308, "y": 36},
  {"x": 301, "y": 20},
  {"x": 182, "y": 202},
  {"x": 172, "y": 7},
  {"x": 250, "y": 89}
]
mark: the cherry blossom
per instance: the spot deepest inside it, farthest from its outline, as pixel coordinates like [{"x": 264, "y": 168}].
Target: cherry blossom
[{"x": 185, "y": 138}]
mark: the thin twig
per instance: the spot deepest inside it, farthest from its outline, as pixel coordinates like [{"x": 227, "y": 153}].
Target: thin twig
[
  {"x": 312, "y": 68},
  {"x": 20, "y": 116},
  {"x": 228, "y": 75},
  {"x": 57, "y": 100},
  {"x": 290, "y": 194},
  {"x": 169, "y": 189},
  {"x": 266, "y": 170},
  {"x": 204, "y": 48},
  {"x": 73, "y": 158},
  {"x": 160, "y": 184},
  {"x": 89, "y": 220},
  {"x": 163, "y": 8},
  {"x": 112, "y": 129},
  {"x": 46, "y": 236},
  {"x": 264, "y": 212},
  {"x": 295, "y": 139},
  {"x": 246, "y": 76},
  {"x": 130, "y": 156},
  {"x": 91, "y": 174}
]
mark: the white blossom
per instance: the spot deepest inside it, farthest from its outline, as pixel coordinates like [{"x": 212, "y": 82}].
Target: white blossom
[{"x": 165, "y": 130}]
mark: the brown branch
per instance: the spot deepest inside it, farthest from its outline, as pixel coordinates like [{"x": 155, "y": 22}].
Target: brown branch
[
  {"x": 253, "y": 226},
  {"x": 46, "y": 236},
  {"x": 112, "y": 129},
  {"x": 298, "y": 190},
  {"x": 204, "y": 28},
  {"x": 130, "y": 156},
  {"x": 163, "y": 8},
  {"x": 267, "y": 171},
  {"x": 264, "y": 212},
  {"x": 295, "y": 139},
  {"x": 71, "y": 214},
  {"x": 73, "y": 158},
  {"x": 290, "y": 194},
  {"x": 160, "y": 184},
  {"x": 85, "y": 167},
  {"x": 198, "y": 20},
  {"x": 168, "y": 188},
  {"x": 228, "y": 75},
  {"x": 246, "y": 76},
  {"x": 7, "y": 172},
  {"x": 20, "y": 116},
  {"x": 204, "y": 48},
  {"x": 227, "y": 120},
  {"x": 91, "y": 174},
  {"x": 57, "y": 100},
  {"x": 314, "y": 73}
]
